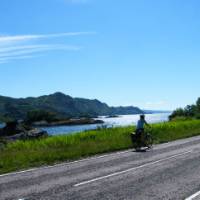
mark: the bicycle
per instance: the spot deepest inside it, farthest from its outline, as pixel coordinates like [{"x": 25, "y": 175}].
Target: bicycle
[{"x": 141, "y": 140}]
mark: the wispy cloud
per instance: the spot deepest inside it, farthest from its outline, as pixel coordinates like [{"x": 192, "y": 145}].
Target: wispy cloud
[
  {"x": 6, "y": 58},
  {"x": 27, "y": 46},
  {"x": 16, "y": 49},
  {"x": 17, "y": 38}
]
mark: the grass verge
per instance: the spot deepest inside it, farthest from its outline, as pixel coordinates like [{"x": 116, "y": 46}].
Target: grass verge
[{"x": 26, "y": 154}]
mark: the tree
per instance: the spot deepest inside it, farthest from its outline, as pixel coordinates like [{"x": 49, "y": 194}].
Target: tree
[
  {"x": 190, "y": 110},
  {"x": 177, "y": 113},
  {"x": 198, "y": 104},
  {"x": 40, "y": 115}
]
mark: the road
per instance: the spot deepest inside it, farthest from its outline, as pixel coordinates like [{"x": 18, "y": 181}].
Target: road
[{"x": 169, "y": 171}]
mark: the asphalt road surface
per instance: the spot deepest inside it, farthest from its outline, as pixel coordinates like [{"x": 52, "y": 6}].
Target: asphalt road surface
[{"x": 169, "y": 171}]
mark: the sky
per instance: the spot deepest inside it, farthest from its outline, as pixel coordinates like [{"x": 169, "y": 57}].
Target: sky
[{"x": 133, "y": 52}]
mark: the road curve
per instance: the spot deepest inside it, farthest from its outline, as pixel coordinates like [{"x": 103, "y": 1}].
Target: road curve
[{"x": 169, "y": 171}]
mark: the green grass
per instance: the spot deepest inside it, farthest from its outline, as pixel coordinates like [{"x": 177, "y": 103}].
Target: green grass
[{"x": 26, "y": 154}]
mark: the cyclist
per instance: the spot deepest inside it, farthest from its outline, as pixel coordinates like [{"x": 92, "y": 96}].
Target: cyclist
[{"x": 140, "y": 128}]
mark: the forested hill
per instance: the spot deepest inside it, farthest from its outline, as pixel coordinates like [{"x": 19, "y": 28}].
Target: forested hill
[{"x": 60, "y": 104}]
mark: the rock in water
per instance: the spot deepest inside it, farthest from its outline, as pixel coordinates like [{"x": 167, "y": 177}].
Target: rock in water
[
  {"x": 36, "y": 133},
  {"x": 32, "y": 134},
  {"x": 18, "y": 131}
]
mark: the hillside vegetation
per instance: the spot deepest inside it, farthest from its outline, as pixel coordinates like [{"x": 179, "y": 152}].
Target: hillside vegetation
[
  {"x": 190, "y": 111},
  {"x": 25, "y": 154},
  {"x": 58, "y": 105}
]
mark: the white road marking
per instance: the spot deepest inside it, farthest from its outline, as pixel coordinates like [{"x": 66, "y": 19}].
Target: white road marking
[
  {"x": 193, "y": 196},
  {"x": 65, "y": 164},
  {"x": 131, "y": 169}
]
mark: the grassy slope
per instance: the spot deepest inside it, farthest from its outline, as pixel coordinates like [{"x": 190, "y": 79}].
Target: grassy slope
[{"x": 23, "y": 155}]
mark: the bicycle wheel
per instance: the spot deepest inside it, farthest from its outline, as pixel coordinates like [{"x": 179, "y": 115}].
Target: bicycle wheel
[
  {"x": 149, "y": 141},
  {"x": 135, "y": 142}
]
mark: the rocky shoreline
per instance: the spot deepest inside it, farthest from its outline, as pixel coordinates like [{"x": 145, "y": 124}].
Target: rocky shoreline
[{"x": 19, "y": 131}]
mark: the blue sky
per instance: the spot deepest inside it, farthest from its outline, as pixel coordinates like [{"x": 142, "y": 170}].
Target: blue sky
[{"x": 132, "y": 52}]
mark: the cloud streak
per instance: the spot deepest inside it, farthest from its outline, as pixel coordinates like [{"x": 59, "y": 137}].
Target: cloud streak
[
  {"x": 19, "y": 38},
  {"x": 28, "y": 46},
  {"x": 39, "y": 47}
]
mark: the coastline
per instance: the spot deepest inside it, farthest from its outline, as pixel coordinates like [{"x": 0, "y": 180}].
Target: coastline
[{"x": 70, "y": 122}]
